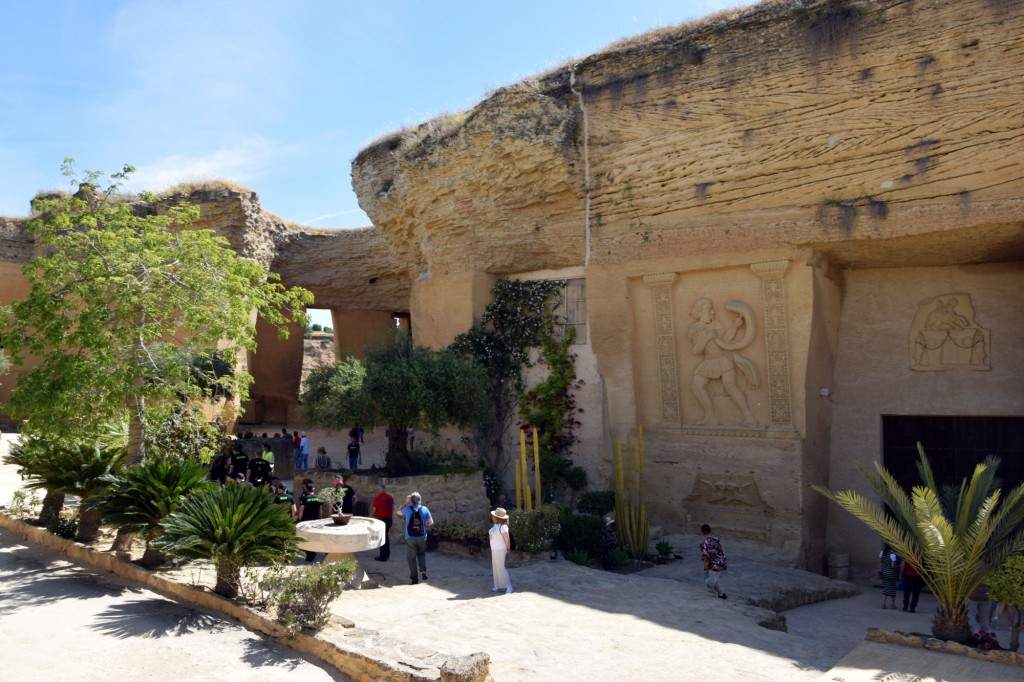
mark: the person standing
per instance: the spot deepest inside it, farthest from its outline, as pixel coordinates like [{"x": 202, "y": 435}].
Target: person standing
[
  {"x": 417, "y": 521},
  {"x": 501, "y": 545},
  {"x": 323, "y": 461},
  {"x": 355, "y": 455},
  {"x": 383, "y": 508},
  {"x": 239, "y": 462},
  {"x": 296, "y": 450},
  {"x": 281, "y": 496},
  {"x": 304, "y": 450},
  {"x": 912, "y": 585},
  {"x": 715, "y": 564},
  {"x": 311, "y": 508},
  {"x": 888, "y": 569},
  {"x": 268, "y": 454},
  {"x": 346, "y": 492},
  {"x": 410, "y": 434},
  {"x": 259, "y": 471}
]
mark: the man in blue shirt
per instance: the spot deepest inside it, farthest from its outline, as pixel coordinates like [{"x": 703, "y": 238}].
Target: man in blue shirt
[{"x": 417, "y": 521}]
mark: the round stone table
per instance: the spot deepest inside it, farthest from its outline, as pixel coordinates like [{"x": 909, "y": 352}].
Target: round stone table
[{"x": 342, "y": 542}]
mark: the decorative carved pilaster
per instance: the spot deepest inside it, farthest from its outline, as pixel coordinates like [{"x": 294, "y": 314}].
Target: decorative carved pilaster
[
  {"x": 665, "y": 338},
  {"x": 776, "y": 340}
]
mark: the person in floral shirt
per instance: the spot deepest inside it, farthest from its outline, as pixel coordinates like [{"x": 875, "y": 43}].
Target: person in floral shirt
[{"x": 715, "y": 564}]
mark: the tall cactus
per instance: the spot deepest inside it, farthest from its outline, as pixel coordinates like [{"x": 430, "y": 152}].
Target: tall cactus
[{"x": 631, "y": 524}]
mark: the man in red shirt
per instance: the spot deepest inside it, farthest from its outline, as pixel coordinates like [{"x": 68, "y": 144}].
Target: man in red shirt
[{"x": 383, "y": 508}]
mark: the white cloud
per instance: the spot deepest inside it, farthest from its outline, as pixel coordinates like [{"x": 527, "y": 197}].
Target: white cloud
[{"x": 244, "y": 162}]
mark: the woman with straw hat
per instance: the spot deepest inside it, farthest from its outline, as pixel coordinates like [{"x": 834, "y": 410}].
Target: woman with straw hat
[{"x": 500, "y": 546}]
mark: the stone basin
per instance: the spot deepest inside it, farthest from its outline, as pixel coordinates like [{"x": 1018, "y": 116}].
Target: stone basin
[{"x": 342, "y": 542}]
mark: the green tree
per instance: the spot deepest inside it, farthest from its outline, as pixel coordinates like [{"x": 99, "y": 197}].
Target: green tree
[
  {"x": 401, "y": 384},
  {"x": 137, "y": 500},
  {"x": 123, "y": 296},
  {"x": 1006, "y": 586},
  {"x": 516, "y": 320},
  {"x": 234, "y": 526},
  {"x": 952, "y": 536}
]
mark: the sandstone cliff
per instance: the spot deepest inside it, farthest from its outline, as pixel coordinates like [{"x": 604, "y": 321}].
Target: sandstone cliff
[{"x": 847, "y": 128}]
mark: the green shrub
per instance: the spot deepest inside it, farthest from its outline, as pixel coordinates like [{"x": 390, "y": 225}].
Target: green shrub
[
  {"x": 23, "y": 502},
  {"x": 532, "y": 529},
  {"x": 597, "y": 502},
  {"x": 664, "y": 548},
  {"x": 234, "y": 527},
  {"x": 64, "y": 526},
  {"x": 1006, "y": 586},
  {"x": 581, "y": 557},
  {"x": 619, "y": 557},
  {"x": 302, "y": 596},
  {"x": 463, "y": 534},
  {"x": 580, "y": 532}
]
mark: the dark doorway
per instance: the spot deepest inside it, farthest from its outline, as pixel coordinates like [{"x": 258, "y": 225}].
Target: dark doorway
[{"x": 954, "y": 446}]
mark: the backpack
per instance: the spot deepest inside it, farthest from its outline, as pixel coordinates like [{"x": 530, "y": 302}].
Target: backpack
[
  {"x": 416, "y": 527},
  {"x": 511, "y": 541}
]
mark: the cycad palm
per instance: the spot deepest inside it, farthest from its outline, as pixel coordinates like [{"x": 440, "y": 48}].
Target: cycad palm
[
  {"x": 233, "y": 526},
  {"x": 138, "y": 500},
  {"x": 62, "y": 469},
  {"x": 951, "y": 538}
]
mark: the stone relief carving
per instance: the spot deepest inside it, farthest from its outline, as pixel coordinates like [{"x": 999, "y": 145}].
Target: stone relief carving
[
  {"x": 723, "y": 370},
  {"x": 735, "y": 492},
  {"x": 776, "y": 340},
  {"x": 944, "y": 336},
  {"x": 665, "y": 334}
]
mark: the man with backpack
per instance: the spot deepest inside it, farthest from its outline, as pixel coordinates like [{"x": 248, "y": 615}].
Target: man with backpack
[{"x": 417, "y": 521}]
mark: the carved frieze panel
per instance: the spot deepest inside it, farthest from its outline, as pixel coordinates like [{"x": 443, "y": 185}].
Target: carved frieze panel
[
  {"x": 776, "y": 339},
  {"x": 945, "y": 336},
  {"x": 665, "y": 341},
  {"x": 729, "y": 491}
]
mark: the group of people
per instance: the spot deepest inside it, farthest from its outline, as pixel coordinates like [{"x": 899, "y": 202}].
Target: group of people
[
  {"x": 892, "y": 571},
  {"x": 238, "y": 468}
]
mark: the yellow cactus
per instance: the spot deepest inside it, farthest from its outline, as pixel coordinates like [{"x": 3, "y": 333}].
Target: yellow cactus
[{"x": 631, "y": 523}]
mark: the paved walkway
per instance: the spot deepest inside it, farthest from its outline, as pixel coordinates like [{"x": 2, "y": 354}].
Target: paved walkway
[
  {"x": 563, "y": 622},
  {"x": 60, "y": 622}
]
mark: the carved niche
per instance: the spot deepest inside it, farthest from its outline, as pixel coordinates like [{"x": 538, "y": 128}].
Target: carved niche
[{"x": 945, "y": 337}]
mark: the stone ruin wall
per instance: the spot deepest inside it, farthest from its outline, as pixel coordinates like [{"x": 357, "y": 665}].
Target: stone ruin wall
[
  {"x": 827, "y": 165},
  {"x": 756, "y": 158}
]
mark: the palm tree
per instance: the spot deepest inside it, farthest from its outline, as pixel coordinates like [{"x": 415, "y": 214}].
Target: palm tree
[
  {"x": 952, "y": 536},
  {"x": 234, "y": 526},
  {"x": 143, "y": 496},
  {"x": 67, "y": 469}
]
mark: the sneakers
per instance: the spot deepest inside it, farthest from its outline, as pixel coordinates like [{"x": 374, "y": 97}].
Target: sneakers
[
  {"x": 723, "y": 596},
  {"x": 508, "y": 590},
  {"x": 495, "y": 589},
  {"x": 423, "y": 576},
  {"x": 377, "y": 558},
  {"x": 414, "y": 582}
]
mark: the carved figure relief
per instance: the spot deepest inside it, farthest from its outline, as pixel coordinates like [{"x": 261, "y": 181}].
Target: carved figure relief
[
  {"x": 723, "y": 370},
  {"x": 944, "y": 336},
  {"x": 742, "y": 492}
]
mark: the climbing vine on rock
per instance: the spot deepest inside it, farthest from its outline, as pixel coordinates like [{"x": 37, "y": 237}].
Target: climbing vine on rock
[{"x": 518, "y": 318}]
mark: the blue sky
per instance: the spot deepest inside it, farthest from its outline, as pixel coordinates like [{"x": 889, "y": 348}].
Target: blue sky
[{"x": 277, "y": 96}]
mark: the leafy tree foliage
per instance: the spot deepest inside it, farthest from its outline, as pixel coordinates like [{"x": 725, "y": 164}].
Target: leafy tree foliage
[
  {"x": 401, "y": 384},
  {"x": 124, "y": 296},
  {"x": 516, "y": 320},
  {"x": 1006, "y": 586},
  {"x": 952, "y": 536}
]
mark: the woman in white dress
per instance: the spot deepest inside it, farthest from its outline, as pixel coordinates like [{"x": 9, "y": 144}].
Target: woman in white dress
[{"x": 500, "y": 546}]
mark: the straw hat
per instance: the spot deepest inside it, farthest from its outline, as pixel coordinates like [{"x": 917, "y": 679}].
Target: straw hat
[{"x": 500, "y": 513}]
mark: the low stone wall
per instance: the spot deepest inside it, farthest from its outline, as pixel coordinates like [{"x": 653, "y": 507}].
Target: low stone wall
[
  {"x": 361, "y": 654},
  {"x": 933, "y": 644},
  {"x": 454, "y": 497}
]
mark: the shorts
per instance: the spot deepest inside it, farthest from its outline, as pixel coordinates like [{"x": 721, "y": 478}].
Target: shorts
[{"x": 712, "y": 579}]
